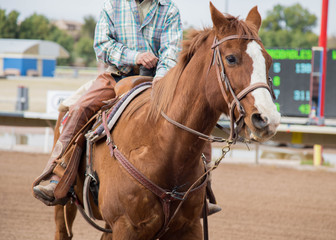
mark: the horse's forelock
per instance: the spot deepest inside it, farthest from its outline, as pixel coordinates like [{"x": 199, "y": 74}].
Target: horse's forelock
[{"x": 239, "y": 27}]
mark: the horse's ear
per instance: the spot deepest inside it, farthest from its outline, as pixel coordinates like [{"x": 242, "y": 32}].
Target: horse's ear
[
  {"x": 218, "y": 19},
  {"x": 254, "y": 17}
]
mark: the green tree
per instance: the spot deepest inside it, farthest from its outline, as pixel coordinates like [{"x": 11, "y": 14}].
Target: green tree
[
  {"x": 88, "y": 28},
  {"x": 35, "y": 27},
  {"x": 39, "y": 27},
  {"x": 289, "y": 27},
  {"x": 65, "y": 40},
  {"x": 8, "y": 24},
  {"x": 84, "y": 49}
]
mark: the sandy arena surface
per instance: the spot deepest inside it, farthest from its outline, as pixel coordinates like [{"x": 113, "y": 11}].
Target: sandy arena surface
[{"x": 259, "y": 202}]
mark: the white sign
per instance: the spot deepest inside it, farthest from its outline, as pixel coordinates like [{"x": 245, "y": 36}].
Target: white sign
[{"x": 54, "y": 98}]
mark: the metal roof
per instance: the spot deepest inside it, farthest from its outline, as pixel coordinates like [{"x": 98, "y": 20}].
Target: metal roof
[{"x": 32, "y": 47}]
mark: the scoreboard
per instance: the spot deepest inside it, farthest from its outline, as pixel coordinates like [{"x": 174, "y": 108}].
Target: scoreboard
[
  {"x": 291, "y": 72},
  {"x": 330, "y": 97}
]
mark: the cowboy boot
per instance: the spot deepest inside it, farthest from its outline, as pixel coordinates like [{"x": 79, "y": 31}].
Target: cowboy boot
[
  {"x": 76, "y": 121},
  {"x": 102, "y": 89},
  {"x": 46, "y": 193}
]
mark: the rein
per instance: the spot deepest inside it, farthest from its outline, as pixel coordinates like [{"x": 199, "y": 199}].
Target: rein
[{"x": 200, "y": 135}]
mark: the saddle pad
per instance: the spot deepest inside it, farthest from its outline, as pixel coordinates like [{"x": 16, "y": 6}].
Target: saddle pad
[{"x": 116, "y": 111}]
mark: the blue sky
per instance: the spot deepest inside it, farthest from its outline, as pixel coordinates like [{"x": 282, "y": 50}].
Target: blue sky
[{"x": 193, "y": 12}]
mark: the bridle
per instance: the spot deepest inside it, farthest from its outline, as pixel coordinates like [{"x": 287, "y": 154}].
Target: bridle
[
  {"x": 224, "y": 83},
  {"x": 225, "y": 86}
]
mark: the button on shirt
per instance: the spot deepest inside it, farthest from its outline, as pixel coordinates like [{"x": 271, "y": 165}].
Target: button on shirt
[{"x": 121, "y": 35}]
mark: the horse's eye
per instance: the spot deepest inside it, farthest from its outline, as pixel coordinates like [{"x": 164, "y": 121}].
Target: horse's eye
[{"x": 231, "y": 59}]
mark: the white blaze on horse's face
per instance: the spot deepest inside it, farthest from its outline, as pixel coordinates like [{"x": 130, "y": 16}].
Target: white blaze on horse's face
[{"x": 262, "y": 97}]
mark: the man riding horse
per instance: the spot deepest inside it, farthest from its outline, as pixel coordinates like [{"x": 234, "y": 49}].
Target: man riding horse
[{"x": 132, "y": 37}]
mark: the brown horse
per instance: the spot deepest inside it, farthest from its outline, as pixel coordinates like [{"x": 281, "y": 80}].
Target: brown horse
[{"x": 169, "y": 156}]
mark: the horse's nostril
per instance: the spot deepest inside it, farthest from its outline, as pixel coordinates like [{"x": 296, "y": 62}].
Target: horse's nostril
[{"x": 259, "y": 121}]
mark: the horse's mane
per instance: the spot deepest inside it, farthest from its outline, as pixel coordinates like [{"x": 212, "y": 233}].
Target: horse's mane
[{"x": 164, "y": 90}]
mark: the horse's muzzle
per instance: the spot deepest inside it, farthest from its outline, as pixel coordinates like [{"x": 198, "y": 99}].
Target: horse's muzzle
[{"x": 263, "y": 127}]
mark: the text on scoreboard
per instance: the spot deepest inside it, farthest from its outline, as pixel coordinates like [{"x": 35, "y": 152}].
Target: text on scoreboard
[{"x": 291, "y": 72}]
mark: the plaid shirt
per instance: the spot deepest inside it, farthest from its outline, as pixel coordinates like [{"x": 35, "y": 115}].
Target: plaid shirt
[{"x": 120, "y": 36}]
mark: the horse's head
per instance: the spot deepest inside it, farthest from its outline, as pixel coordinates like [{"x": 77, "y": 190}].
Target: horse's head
[{"x": 242, "y": 65}]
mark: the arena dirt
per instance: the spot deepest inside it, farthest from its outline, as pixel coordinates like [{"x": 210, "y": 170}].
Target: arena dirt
[{"x": 258, "y": 202}]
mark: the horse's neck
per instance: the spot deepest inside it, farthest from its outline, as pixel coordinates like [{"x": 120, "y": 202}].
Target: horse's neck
[{"x": 190, "y": 108}]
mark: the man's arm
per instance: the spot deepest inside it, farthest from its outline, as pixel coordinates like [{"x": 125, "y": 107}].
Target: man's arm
[
  {"x": 170, "y": 45},
  {"x": 106, "y": 47}
]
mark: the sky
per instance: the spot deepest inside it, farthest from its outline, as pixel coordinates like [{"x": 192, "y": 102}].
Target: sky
[{"x": 193, "y": 12}]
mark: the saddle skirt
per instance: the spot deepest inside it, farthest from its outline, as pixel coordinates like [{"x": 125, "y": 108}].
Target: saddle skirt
[{"x": 97, "y": 132}]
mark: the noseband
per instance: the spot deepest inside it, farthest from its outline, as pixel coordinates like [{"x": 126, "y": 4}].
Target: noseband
[{"x": 225, "y": 86}]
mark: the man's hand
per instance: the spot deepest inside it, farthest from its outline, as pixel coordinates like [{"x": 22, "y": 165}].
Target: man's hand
[{"x": 147, "y": 59}]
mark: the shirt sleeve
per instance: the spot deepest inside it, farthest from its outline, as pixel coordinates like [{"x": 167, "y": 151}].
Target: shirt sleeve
[
  {"x": 170, "y": 45},
  {"x": 106, "y": 46}
]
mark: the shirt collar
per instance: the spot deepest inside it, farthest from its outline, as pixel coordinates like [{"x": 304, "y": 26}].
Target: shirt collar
[{"x": 162, "y": 2}]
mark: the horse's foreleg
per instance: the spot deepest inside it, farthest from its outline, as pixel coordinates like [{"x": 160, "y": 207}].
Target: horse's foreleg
[
  {"x": 190, "y": 232},
  {"x": 64, "y": 218},
  {"x": 106, "y": 236},
  {"x": 125, "y": 230}
]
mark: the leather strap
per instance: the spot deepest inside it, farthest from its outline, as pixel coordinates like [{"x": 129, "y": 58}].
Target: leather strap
[
  {"x": 165, "y": 196},
  {"x": 200, "y": 135},
  {"x": 87, "y": 218},
  {"x": 231, "y": 37},
  {"x": 205, "y": 220}
]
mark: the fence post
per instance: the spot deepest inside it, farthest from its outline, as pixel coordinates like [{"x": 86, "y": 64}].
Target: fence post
[
  {"x": 318, "y": 155},
  {"x": 22, "y": 99}
]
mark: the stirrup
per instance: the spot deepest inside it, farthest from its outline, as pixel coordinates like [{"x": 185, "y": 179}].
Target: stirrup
[
  {"x": 55, "y": 202},
  {"x": 43, "y": 177}
]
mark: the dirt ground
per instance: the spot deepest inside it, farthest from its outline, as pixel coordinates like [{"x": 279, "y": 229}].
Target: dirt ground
[{"x": 259, "y": 202}]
